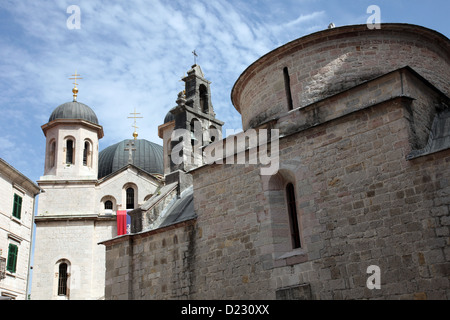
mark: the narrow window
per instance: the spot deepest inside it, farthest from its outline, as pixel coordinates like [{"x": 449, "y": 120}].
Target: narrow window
[
  {"x": 62, "y": 280},
  {"x": 12, "y": 258},
  {"x": 17, "y": 206},
  {"x": 130, "y": 198},
  {"x": 196, "y": 130},
  {"x": 69, "y": 152},
  {"x": 87, "y": 154},
  {"x": 204, "y": 98},
  {"x": 52, "y": 154},
  {"x": 293, "y": 220},
  {"x": 108, "y": 205},
  {"x": 287, "y": 87}
]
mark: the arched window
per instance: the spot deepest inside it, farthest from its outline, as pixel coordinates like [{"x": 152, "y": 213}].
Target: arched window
[
  {"x": 108, "y": 205},
  {"x": 69, "y": 151},
  {"x": 130, "y": 198},
  {"x": 87, "y": 154},
  {"x": 52, "y": 154},
  {"x": 62, "y": 279},
  {"x": 204, "y": 98},
  {"x": 293, "y": 220}
]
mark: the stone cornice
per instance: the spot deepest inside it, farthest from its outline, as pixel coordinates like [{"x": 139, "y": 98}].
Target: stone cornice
[
  {"x": 67, "y": 181},
  {"x": 18, "y": 178},
  {"x": 52, "y": 218},
  {"x": 85, "y": 123}
]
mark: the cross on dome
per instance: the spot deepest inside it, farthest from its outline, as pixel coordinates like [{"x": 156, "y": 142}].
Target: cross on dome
[
  {"x": 135, "y": 134},
  {"x": 75, "y": 89}
]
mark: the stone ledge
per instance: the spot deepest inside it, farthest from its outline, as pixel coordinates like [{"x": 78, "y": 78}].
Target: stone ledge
[
  {"x": 290, "y": 258},
  {"x": 51, "y": 218}
]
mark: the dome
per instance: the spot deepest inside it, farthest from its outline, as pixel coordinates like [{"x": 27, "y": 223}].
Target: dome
[
  {"x": 74, "y": 110},
  {"x": 169, "y": 116},
  {"x": 148, "y": 156}
]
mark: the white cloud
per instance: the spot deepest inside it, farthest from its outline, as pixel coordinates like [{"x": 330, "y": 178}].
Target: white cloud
[{"x": 131, "y": 55}]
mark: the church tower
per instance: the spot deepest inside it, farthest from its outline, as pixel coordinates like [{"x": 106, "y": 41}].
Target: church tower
[
  {"x": 72, "y": 134},
  {"x": 68, "y": 263},
  {"x": 194, "y": 122}
]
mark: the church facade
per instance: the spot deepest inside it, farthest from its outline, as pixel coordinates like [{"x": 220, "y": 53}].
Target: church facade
[
  {"x": 359, "y": 206},
  {"x": 84, "y": 194}
]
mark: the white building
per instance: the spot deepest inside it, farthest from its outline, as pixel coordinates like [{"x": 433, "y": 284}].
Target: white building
[
  {"x": 17, "y": 201},
  {"x": 82, "y": 192}
]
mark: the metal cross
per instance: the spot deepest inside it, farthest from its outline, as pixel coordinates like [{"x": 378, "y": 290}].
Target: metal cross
[
  {"x": 75, "y": 89},
  {"x": 195, "y": 56},
  {"x": 134, "y": 125},
  {"x": 75, "y": 77}
]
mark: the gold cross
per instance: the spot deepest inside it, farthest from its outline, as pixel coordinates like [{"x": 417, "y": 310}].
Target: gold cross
[
  {"x": 134, "y": 125},
  {"x": 75, "y": 89}
]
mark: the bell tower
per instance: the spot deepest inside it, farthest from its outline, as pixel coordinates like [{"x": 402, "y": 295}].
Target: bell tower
[
  {"x": 70, "y": 266},
  {"x": 72, "y": 134},
  {"x": 194, "y": 123}
]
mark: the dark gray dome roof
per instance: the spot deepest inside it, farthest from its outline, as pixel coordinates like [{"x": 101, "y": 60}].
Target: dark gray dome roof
[
  {"x": 169, "y": 116},
  {"x": 148, "y": 156},
  {"x": 74, "y": 110}
]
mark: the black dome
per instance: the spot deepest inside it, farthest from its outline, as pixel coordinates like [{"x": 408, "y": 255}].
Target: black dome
[
  {"x": 148, "y": 156},
  {"x": 74, "y": 110},
  {"x": 169, "y": 116}
]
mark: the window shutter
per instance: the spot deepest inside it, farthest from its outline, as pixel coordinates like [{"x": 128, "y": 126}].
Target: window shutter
[
  {"x": 17, "y": 206},
  {"x": 12, "y": 258},
  {"x": 14, "y": 213}
]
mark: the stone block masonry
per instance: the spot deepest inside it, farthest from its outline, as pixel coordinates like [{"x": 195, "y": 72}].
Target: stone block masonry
[
  {"x": 359, "y": 202},
  {"x": 334, "y": 60},
  {"x": 357, "y": 114},
  {"x": 154, "y": 265}
]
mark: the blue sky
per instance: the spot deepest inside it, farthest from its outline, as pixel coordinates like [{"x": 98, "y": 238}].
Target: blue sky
[{"x": 132, "y": 54}]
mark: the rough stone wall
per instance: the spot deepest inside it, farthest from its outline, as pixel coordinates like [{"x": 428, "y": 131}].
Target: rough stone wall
[
  {"x": 360, "y": 204},
  {"x": 359, "y": 201},
  {"x": 333, "y": 60},
  {"x": 155, "y": 265},
  {"x": 230, "y": 204},
  {"x": 168, "y": 274},
  {"x": 118, "y": 270}
]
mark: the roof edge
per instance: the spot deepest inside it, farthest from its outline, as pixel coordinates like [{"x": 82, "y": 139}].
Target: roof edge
[
  {"x": 320, "y": 36},
  {"x": 30, "y": 185}
]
